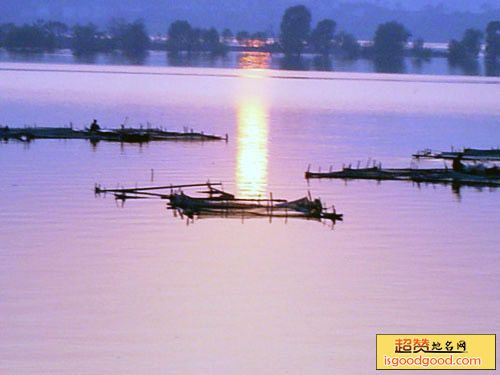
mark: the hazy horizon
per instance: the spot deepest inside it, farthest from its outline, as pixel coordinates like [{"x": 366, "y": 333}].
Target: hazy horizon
[{"x": 423, "y": 18}]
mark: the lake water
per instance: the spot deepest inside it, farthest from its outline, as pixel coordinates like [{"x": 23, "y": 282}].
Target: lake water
[
  {"x": 88, "y": 286},
  {"x": 233, "y": 59}
]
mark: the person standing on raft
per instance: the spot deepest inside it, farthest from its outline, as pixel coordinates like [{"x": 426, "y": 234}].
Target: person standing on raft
[
  {"x": 94, "y": 126},
  {"x": 457, "y": 165}
]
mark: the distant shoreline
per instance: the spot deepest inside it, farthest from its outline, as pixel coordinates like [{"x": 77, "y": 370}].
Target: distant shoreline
[{"x": 250, "y": 58}]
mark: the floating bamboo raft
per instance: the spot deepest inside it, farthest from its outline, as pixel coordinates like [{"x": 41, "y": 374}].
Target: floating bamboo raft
[
  {"x": 467, "y": 154},
  {"x": 127, "y": 135},
  {"x": 490, "y": 177},
  {"x": 215, "y": 202}
]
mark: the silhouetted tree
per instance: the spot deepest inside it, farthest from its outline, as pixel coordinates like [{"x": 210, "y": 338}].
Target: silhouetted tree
[
  {"x": 210, "y": 41},
  {"x": 195, "y": 39},
  {"x": 390, "y": 40},
  {"x": 57, "y": 28},
  {"x": 132, "y": 39},
  {"x": 295, "y": 27},
  {"x": 493, "y": 40},
  {"x": 347, "y": 46},
  {"x": 29, "y": 38},
  {"x": 210, "y": 38},
  {"x": 467, "y": 49},
  {"x": 322, "y": 36},
  {"x": 227, "y": 35},
  {"x": 116, "y": 30},
  {"x": 57, "y": 34},
  {"x": 242, "y": 37},
  {"x": 492, "y": 63},
  {"x": 21, "y": 37},
  {"x": 40, "y": 36},
  {"x": 5, "y": 28},
  {"x": 456, "y": 50},
  {"x": 472, "y": 42},
  {"x": 85, "y": 40},
  {"x": 388, "y": 47},
  {"x": 259, "y": 35},
  {"x": 180, "y": 35}
]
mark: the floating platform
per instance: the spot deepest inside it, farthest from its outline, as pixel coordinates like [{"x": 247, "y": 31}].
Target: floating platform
[
  {"x": 490, "y": 177},
  {"x": 472, "y": 154},
  {"x": 126, "y": 135},
  {"x": 218, "y": 203}
]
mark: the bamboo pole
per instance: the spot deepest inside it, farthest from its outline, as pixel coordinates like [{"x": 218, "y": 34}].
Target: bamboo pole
[{"x": 128, "y": 190}]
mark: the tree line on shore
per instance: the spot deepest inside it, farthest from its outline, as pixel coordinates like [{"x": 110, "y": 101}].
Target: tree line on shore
[
  {"x": 389, "y": 45},
  {"x": 130, "y": 38}
]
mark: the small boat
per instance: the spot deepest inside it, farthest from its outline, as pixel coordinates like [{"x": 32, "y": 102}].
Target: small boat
[
  {"x": 473, "y": 176},
  {"x": 467, "y": 154},
  {"x": 125, "y": 135},
  {"x": 219, "y": 203},
  {"x": 239, "y": 208}
]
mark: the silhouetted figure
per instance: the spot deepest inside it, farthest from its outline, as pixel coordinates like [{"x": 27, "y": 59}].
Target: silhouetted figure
[
  {"x": 94, "y": 127},
  {"x": 457, "y": 165},
  {"x": 5, "y": 132}
]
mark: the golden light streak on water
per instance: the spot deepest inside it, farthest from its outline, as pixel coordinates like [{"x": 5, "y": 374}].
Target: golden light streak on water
[
  {"x": 252, "y": 149},
  {"x": 254, "y": 60}
]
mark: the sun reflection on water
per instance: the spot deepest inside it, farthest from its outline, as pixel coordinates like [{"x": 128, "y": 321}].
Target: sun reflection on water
[
  {"x": 252, "y": 153},
  {"x": 254, "y": 60}
]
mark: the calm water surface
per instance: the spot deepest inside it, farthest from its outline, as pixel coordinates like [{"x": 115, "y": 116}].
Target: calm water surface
[
  {"x": 88, "y": 287},
  {"x": 233, "y": 59}
]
